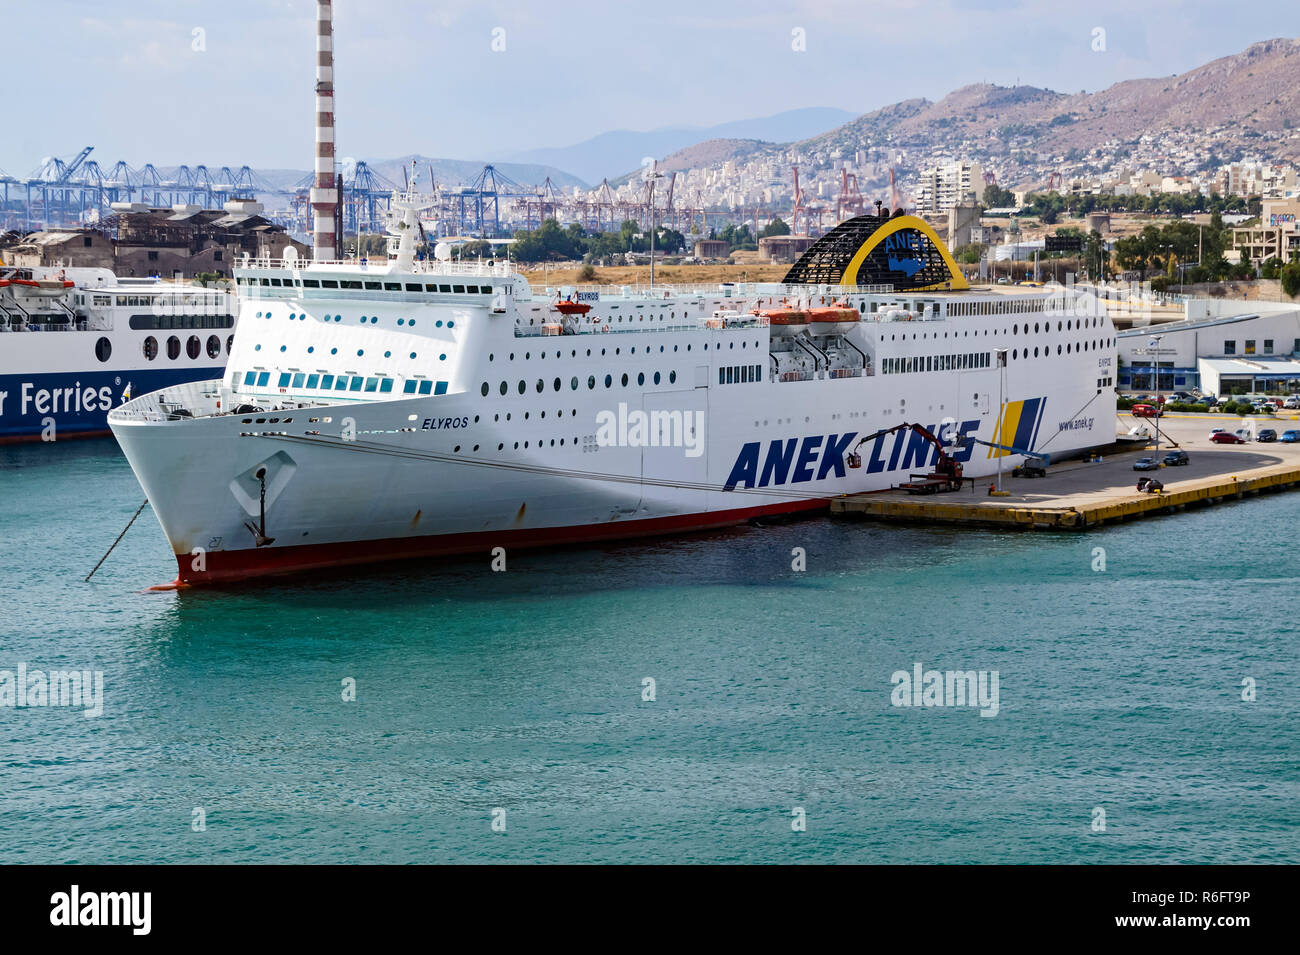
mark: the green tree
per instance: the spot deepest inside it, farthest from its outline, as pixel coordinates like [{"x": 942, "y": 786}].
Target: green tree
[
  {"x": 776, "y": 227},
  {"x": 1290, "y": 276}
]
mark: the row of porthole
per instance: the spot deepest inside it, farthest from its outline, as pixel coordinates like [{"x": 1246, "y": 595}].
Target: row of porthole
[
  {"x": 502, "y": 446},
  {"x": 194, "y": 347},
  {"x": 504, "y": 388},
  {"x": 573, "y": 352},
  {"x": 372, "y": 319},
  {"x": 1047, "y": 349},
  {"x": 311, "y": 349}
]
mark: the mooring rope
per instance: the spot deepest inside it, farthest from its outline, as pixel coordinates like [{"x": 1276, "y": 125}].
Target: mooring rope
[{"x": 137, "y": 513}]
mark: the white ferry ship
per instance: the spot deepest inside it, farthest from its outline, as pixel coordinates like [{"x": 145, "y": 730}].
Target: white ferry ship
[
  {"x": 373, "y": 412},
  {"x": 76, "y": 342}
]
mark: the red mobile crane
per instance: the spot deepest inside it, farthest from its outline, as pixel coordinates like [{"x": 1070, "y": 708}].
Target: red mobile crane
[{"x": 947, "y": 473}]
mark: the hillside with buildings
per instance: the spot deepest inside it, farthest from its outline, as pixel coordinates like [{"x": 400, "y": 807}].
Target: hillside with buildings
[{"x": 1225, "y": 127}]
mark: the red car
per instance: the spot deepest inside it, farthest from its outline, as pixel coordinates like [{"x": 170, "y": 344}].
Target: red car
[
  {"x": 1146, "y": 411},
  {"x": 1225, "y": 437}
]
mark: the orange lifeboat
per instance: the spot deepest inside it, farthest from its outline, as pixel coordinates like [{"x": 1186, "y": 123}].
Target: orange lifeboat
[
  {"x": 832, "y": 320},
  {"x": 572, "y": 308},
  {"x": 785, "y": 321}
]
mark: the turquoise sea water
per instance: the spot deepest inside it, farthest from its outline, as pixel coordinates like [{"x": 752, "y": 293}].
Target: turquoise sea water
[{"x": 523, "y": 691}]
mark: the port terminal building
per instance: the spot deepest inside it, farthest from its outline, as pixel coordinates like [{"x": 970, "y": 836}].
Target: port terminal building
[{"x": 1218, "y": 349}]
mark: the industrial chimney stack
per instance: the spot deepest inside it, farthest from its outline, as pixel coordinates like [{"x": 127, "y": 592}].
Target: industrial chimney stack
[{"x": 324, "y": 194}]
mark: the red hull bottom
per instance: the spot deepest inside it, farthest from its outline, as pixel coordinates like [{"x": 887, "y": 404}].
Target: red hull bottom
[
  {"x": 231, "y": 566},
  {"x": 35, "y": 437}
]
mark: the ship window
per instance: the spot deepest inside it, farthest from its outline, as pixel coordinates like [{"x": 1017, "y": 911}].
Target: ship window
[
  {"x": 484, "y": 390},
  {"x": 328, "y": 283},
  {"x": 214, "y": 346},
  {"x": 672, "y": 377},
  {"x": 591, "y": 381},
  {"x": 722, "y": 376},
  {"x": 523, "y": 386},
  {"x": 350, "y": 284},
  {"x": 441, "y": 389},
  {"x": 357, "y": 381},
  {"x": 414, "y": 287},
  {"x": 573, "y": 383},
  {"x": 609, "y": 381},
  {"x": 263, "y": 378},
  {"x": 504, "y": 388},
  {"x": 426, "y": 387},
  {"x": 409, "y": 387},
  {"x": 341, "y": 383},
  {"x": 372, "y": 286},
  {"x": 458, "y": 289},
  {"x": 640, "y": 378},
  {"x": 558, "y": 384},
  {"x": 284, "y": 380},
  {"x": 150, "y": 348},
  {"x": 392, "y": 286},
  {"x": 173, "y": 348},
  {"x": 656, "y": 377},
  {"x": 250, "y": 377},
  {"x": 310, "y": 283},
  {"x": 298, "y": 379},
  {"x": 386, "y": 385},
  {"x": 326, "y": 382},
  {"x": 444, "y": 288},
  {"x": 274, "y": 282}
]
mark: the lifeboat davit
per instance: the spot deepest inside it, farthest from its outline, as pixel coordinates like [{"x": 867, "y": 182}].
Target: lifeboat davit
[
  {"x": 572, "y": 308},
  {"x": 785, "y": 321},
  {"x": 833, "y": 320}
]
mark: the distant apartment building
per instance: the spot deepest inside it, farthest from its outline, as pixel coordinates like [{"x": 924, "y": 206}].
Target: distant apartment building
[
  {"x": 944, "y": 186},
  {"x": 1276, "y": 235}
]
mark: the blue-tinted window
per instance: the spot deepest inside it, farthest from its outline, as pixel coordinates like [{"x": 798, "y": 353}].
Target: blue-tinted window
[
  {"x": 327, "y": 382},
  {"x": 250, "y": 377},
  {"x": 341, "y": 384},
  {"x": 284, "y": 380},
  {"x": 441, "y": 389},
  {"x": 356, "y": 383},
  {"x": 298, "y": 379},
  {"x": 263, "y": 378},
  {"x": 409, "y": 387},
  {"x": 313, "y": 381},
  {"x": 426, "y": 387},
  {"x": 386, "y": 385},
  {"x": 372, "y": 384}
]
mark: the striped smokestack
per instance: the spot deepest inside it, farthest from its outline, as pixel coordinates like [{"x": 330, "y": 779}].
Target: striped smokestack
[{"x": 324, "y": 195}]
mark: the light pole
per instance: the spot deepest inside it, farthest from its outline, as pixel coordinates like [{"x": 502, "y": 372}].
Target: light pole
[
  {"x": 1154, "y": 344},
  {"x": 1001, "y": 354}
]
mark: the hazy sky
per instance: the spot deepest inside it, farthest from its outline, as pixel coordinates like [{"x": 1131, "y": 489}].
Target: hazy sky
[{"x": 131, "y": 78}]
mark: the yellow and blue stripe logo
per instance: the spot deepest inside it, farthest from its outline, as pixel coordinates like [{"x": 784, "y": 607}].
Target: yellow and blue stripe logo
[{"x": 1018, "y": 425}]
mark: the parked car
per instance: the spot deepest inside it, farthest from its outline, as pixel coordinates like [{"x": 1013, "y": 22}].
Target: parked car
[
  {"x": 1225, "y": 437},
  {"x": 1266, "y": 434},
  {"x": 1245, "y": 435},
  {"x": 1291, "y": 435},
  {"x": 1146, "y": 411},
  {"x": 1175, "y": 458},
  {"x": 1291, "y": 402},
  {"x": 1145, "y": 464}
]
